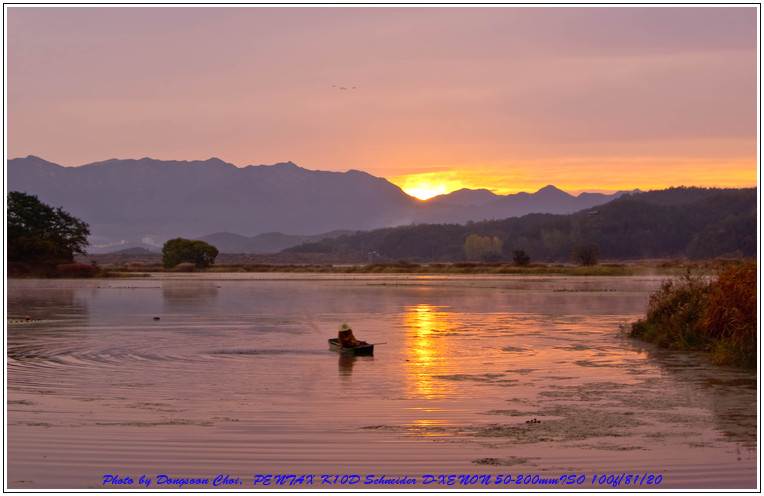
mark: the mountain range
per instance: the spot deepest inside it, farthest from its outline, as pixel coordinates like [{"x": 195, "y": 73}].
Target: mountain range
[
  {"x": 680, "y": 222},
  {"x": 272, "y": 242},
  {"x": 142, "y": 203}
]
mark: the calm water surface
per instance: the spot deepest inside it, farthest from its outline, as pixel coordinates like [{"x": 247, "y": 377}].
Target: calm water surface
[{"x": 236, "y": 378}]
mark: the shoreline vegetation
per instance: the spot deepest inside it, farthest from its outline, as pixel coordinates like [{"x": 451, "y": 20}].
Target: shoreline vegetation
[
  {"x": 706, "y": 304},
  {"x": 715, "y": 315},
  {"x": 124, "y": 268}
]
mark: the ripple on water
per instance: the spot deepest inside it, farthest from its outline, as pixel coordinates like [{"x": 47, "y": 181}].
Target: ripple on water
[{"x": 237, "y": 374}]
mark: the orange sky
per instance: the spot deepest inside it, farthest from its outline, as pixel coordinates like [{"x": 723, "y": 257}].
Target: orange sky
[
  {"x": 507, "y": 98},
  {"x": 612, "y": 174}
]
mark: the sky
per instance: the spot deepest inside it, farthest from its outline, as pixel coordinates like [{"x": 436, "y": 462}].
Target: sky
[{"x": 436, "y": 99}]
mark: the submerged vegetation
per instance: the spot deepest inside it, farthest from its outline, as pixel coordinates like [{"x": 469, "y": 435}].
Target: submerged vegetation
[{"x": 712, "y": 314}]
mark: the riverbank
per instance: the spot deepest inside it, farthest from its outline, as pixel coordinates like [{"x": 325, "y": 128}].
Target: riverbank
[
  {"x": 109, "y": 267},
  {"x": 716, "y": 315}
]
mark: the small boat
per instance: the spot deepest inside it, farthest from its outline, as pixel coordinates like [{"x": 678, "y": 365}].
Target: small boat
[{"x": 363, "y": 350}]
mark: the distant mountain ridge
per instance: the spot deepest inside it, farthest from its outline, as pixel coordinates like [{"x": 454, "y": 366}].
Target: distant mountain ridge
[
  {"x": 143, "y": 202},
  {"x": 477, "y": 205},
  {"x": 264, "y": 243},
  {"x": 465, "y": 197},
  {"x": 676, "y": 222}
]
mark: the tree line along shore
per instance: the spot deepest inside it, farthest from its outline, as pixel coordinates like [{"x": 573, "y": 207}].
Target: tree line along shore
[
  {"x": 705, "y": 305},
  {"x": 108, "y": 267}
]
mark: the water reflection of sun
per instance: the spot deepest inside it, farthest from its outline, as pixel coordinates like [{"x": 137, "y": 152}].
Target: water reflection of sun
[{"x": 425, "y": 351}]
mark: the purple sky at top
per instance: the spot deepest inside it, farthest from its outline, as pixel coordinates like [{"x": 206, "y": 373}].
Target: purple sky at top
[{"x": 510, "y": 94}]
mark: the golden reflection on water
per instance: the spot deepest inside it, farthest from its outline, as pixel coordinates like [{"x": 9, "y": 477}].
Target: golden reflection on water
[
  {"x": 424, "y": 349},
  {"x": 429, "y": 427}
]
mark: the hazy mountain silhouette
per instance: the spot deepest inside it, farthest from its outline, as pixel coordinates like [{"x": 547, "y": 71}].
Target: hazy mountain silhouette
[
  {"x": 146, "y": 201},
  {"x": 676, "y": 222},
  {"x": 136, "y": 250},
  {"x": 465, "y": 198},
  {"x": 466, "y": 205},
  {"x": 151, "y": 200},
  {"x": 273, "y": 242}
]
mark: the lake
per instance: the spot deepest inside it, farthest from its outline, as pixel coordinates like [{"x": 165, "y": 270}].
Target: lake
[{"x": 497, "y": 375}]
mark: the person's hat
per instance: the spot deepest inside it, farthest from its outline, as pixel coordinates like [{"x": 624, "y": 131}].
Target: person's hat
[{"x": 344, "y": 327}]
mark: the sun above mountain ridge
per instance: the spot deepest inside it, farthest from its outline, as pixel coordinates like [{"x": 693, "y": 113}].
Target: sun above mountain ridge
[
  {"x": 429, "y": 184},
  {"x": 426, "y": 190}
]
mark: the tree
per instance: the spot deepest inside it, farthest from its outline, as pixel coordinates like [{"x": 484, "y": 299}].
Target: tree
[
  {"x": 485, "y": 248},
  {"x": 180, "y": 250},
  {"x": 39, "y": 233},
  {"x": 521, "y": 258},
  {"x": 586, "y": 254}
]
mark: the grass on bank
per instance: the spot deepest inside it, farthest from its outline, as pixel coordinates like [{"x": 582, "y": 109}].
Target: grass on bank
[
  {"x": 141, "y": 269},
  {"x": 714, "y": 314},
  {"x": 643, "y": 267},
  {"x": 101, "y": 267},
  {"x": 434, "y": 268}
]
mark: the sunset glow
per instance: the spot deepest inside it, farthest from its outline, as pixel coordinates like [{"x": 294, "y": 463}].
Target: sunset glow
[
  {"x": 425, "y": 191},
  {"x": 542, "y": 96},
  {"x": 411, "y": 247},
  {"x": 574, "y": 176},
  {"x": 428, "y": 185}
]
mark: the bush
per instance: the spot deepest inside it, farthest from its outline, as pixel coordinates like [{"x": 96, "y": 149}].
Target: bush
[
  {"x": 586, "y": 254},
  {"x": 730, "y": 316},
  {"x": 520, "y": 258},
  {"x": 674, "y": 313},
  {"x": 695, "y": 313},
  {"x": 179, "y": 250}
]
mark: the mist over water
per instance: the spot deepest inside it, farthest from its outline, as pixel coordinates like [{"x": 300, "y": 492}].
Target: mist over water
[{"x": 236, "y": 378}]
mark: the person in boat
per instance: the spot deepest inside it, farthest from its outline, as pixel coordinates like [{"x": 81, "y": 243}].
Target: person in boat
[{"x": 347, "y": 340}]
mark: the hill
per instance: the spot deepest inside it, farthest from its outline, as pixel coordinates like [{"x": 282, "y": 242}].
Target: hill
[
  {"x": 677, "y": 222},
  {"x": 146, "y": 201},
  {"x": 263, "y": 243},
  {"x": 151, "y": 200}
]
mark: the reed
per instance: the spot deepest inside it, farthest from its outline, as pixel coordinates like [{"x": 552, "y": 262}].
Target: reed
[{"x": 714, "y": 314}]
